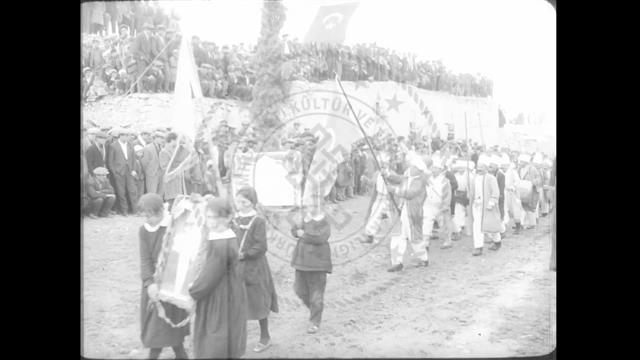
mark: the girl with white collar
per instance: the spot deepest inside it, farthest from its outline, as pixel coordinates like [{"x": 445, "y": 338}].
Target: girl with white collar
[
  {"x": 155, "y": 332},
  {"x": 251, "y": 230}
]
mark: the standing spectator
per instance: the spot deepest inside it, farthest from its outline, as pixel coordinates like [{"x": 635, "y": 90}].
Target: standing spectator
[
  {"x": 160, "y": 51},
  {"x": 143, "y": 52},
  {"x": 100, "y": 193},
  {"x": 139, "y": 178},
  {"x": 121, "y": 164},
  {"x": 150, "y": 163},
  {"x": 358, "y": 169},
  {"x": 96, "y": 60},
  {"x": 96, "y": 153},
  {"x": 174, "y": 183},
  {"x": 199, "y": 54}
]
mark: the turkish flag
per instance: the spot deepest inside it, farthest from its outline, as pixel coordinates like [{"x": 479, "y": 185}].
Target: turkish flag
[{"x": 330, "y": 24}]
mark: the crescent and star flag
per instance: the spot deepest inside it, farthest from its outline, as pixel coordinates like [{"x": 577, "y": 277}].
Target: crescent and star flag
[
  {"x": 338, "y": 133},
  {"x": 330, "y": 24}
]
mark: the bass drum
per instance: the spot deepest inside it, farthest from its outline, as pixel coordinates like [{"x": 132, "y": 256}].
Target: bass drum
[{"x": 528, "y": 195}]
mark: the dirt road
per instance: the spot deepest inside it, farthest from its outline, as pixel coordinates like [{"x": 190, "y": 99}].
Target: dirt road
[{"x": 498, "y": 304}]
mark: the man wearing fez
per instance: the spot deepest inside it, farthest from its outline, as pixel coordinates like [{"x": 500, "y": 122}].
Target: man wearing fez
[
  {"x": 143, "y": 48},
  {"x": 121, "y": 164}
]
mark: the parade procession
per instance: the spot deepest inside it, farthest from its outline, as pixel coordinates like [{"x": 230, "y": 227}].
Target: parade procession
[{"x": 301, "y": 190}]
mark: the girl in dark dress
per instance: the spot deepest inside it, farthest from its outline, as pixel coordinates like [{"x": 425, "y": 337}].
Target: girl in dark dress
[
  {"x": 254, "y": 267},
  {"x": 220, "y": 326},
  {"x": 155, "y": 332}
]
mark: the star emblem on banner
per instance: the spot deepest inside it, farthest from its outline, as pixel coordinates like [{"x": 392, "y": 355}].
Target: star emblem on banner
[
  {"x": 394, "y": 103},
  {"x": 359, "y": 84}
]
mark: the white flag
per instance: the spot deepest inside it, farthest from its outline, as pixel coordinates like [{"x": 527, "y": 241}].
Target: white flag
[{"x": 185, "y": 119}]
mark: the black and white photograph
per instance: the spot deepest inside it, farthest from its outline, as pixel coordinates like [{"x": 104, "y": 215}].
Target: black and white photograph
[{"x": 318, "y": 179}]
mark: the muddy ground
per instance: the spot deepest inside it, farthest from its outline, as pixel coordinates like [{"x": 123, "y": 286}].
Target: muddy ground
[{"x": 499, "y": 304}]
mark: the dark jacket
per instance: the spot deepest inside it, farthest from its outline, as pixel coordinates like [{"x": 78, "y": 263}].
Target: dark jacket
[
  {"x": 117, "y": 163},
  {"x": 220, "y": 327},
  {"x": 95, "y": 157},
  {"x": 254, "y": 267},
  {"x": 313, "y": 252},
  {"x": 143, "y": 48}
]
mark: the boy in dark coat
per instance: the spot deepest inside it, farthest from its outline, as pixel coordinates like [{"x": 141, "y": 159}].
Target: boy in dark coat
[{"x": 312, "y": 261}]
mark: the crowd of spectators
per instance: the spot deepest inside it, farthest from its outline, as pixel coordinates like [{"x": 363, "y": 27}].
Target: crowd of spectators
[{"x": 112, "y": 64}]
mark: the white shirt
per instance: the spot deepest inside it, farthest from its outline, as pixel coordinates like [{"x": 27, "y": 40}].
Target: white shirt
[
  {"x": 124, "y": 149},
  {"x": 479, "y": 187}
]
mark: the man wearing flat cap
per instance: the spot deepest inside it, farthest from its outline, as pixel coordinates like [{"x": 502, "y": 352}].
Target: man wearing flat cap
[
  {"x": 150, "y": 163},
  {"x": 96, "y": 153},
  {"x": 100, "y": 194},
  {"x": 121, "y": 165}
]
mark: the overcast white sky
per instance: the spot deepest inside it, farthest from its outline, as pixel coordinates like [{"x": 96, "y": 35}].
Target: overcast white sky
[{"x": 511, "y": 41}]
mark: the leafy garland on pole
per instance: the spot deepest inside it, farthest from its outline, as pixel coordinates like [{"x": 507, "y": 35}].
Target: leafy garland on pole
[{"x": 270, "y": 88}]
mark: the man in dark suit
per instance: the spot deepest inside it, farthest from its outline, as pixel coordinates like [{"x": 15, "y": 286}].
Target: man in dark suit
[
  {"x": 143, "y": 48},
  {"x": 151, "y": 164},
  {"x": 96, "y": 153},
  {"x": 120, "y": 162}
]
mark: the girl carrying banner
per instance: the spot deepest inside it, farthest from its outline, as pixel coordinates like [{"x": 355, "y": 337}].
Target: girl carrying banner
[{"x": 155, "y": 332}]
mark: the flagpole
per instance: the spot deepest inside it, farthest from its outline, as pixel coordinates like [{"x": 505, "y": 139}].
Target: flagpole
[
  {"x": 466, "y": 136},
  {"x": 366, "y": 138}
]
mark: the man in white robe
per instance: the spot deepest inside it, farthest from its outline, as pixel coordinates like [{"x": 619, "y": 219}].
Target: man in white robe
[
  {"x": 463, "y": 173},
  {"x": 484, "y": 208},
  {"x": 530, "y": 173},
  {"x": 437, "y": 206}
]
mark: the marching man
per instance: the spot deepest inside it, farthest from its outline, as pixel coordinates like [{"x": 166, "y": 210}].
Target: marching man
[
  {"x": 511, "y": 195},
  {"x": 464, "y": 178},
  {"x": 437, "y": 206},
  {"x": 413, "y": 191},
  {"x": 485, "y": 212},
  {"x": 381, "y": 206}
]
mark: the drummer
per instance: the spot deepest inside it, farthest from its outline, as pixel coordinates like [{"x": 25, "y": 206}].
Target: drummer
[{"x": 530, "y": 173}]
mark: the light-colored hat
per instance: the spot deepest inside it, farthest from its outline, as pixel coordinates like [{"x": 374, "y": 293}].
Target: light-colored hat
[
  {"x": 505, "y": 159},
  {"x": 93, "y": 131},
  {"x": 415, "y": 160},
  {"x": 463, "y": 164},
  {"x": 100, "y": 171},
  {"x": 538, "y": 159},
  {"x": 524, "y": 158},
  {"x": 437, "y": 161},
  {"x": 137, "y": 148},
  {"x": 484, "y": 159},
  {"x": 495, "y": 160},
  {"x": 159, "y": 134},
  {"x": 549, "y": 162}
]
